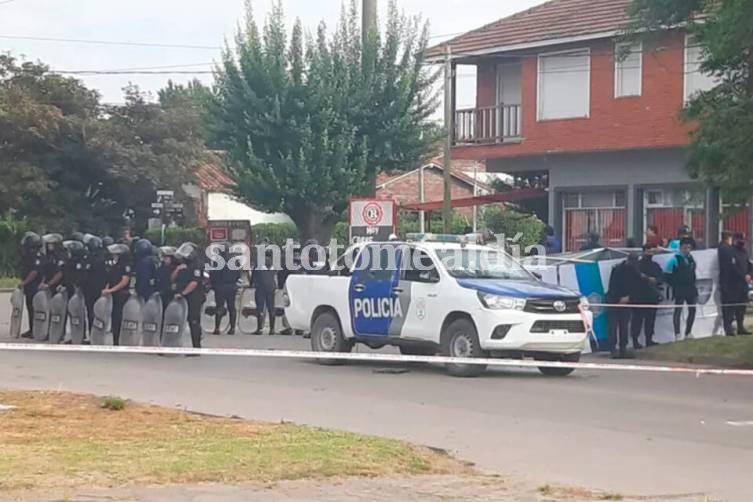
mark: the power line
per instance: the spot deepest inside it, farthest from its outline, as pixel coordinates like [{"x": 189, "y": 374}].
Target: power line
[
  {"x": 6, "y": 1},
  {"x": 111, "y": 42},
  {"x": 127, "y": 72}
]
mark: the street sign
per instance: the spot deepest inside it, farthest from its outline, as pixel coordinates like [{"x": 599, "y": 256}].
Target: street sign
[
  {"x": 157, "y": 205},
  {"x": 372, "y": 219},
  {"x": 165, "y": 193}
]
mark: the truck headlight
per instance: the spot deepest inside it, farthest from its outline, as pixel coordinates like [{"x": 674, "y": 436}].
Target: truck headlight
[
  {"x": 496, "y": 302},
  {"x": 585, "y": 305}
]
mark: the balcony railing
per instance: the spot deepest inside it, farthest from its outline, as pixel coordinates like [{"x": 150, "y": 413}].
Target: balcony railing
[{"x": 492, "y": 124}]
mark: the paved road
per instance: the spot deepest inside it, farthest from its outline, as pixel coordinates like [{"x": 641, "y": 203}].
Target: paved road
[{"x": 635, "y": 434}]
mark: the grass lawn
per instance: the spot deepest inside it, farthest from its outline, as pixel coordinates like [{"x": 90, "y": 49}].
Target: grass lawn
[
  {"x": 727, "y": 352},
  {"x": 61, "y": 440},
  {"x": 9, "y": 282}
]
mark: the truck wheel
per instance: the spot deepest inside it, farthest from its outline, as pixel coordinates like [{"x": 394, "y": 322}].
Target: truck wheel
[
  {"x": 461, "y": 340},
  {"x": 326, "y": 336},
  {"x": 418, "y": 350},
  {"x": 559, "y": 372}
]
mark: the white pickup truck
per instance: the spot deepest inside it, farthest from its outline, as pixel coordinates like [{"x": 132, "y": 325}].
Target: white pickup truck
[{"x": 443, "y": 296}]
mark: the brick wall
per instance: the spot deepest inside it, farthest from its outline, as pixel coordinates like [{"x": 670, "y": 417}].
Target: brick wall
[
  {"x": 405, "y": 190},
  {"x": 647, "y": 121}
]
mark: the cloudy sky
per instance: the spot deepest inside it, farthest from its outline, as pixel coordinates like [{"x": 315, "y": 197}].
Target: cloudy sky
[{"x": 204, "y": 24}]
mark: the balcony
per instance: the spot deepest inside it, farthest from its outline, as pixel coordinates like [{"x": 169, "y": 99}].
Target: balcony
[{"x": 488, "y": 125}]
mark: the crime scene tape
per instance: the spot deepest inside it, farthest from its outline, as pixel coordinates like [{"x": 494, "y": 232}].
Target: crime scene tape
[
  {"x": 370, "y": 357},
  {"x": 666, "y": 307}
]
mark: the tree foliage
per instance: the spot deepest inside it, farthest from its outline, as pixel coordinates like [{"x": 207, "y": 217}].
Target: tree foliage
[
  {"x": 721, "y": 150},
  {"x": 310, "y": 119},
  {"x": 69, "y": 162}
]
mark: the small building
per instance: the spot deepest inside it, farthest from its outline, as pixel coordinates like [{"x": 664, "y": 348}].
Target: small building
[
  {"x": 405, "y": 187},
  {"x": 559, "y": 96}
]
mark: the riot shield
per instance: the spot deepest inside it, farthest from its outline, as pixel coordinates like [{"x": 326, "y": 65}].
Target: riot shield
[
  {"x": 77, "y": 317},
  {"x": 151, "y": 325},
  {"x": 100, "y": 330},
  {"x": 130, "y": 328},
  {"x": 247, "y": 319},
  {"x": 176, "y": 323},
  {"x": 16, "y": 312},
  {"x": 208, "y": 312},
  {"x": 41, "y": 324},
  {"x": 58, "y": 311}
]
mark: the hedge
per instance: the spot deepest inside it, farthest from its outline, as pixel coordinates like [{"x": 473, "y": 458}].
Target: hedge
[
  {"x": 175, "y": 236},
  {"x": 511, "y": 223},
  {"x": 11, "y": 233},
  {"x": 277, "y": 233}
]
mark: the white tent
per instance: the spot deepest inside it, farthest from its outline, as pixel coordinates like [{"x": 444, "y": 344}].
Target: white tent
[{"x": 221, "y": 206}]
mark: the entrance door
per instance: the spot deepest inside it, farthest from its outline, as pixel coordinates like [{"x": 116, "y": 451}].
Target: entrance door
[{"x": 373, "y": 290}]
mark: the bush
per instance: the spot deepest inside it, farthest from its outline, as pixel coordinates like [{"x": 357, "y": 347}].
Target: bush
[
  {"x": 511, "y": 223},
  {"x": 11, "y": 232},
  {"x": 176, "y": 236},
  {"x": 113, "y": 403},
  {"x": 277, "y": 233}
]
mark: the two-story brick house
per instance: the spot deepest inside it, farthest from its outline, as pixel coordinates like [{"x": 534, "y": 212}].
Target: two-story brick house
[{"x": 559, "y": 95}]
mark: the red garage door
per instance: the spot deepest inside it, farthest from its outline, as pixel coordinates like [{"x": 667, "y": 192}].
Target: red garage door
[{"x": 609, "y": 224}]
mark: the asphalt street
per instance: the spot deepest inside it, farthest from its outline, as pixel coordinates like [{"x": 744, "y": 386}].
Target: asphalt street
[{"x": 630, "y": 433}]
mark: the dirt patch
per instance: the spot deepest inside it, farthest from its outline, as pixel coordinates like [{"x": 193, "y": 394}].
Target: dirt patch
[{"x": 65, "y": 441}]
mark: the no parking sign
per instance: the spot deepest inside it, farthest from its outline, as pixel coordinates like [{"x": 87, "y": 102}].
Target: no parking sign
[{"x": 372, "y": 219}]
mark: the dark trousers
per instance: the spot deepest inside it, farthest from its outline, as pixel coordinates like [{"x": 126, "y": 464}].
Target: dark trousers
[
  {"x": 680, "y": 301},
  {"x": 734, "y": 306},
  {"x": 194, "y": 319},
  {"x": 118, "y": 302},
  {"x": 225, "y": 298},
  {"x": 265, "y": 300},
  {"x": 619, "y": 327},
  {"x": 90, "y": 298},
  {"x": 643, "y": 320},
  {"x": 30, "y": 294}
]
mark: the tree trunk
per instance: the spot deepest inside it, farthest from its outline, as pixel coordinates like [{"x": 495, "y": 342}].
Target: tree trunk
[{"x": 312, "y": 225}]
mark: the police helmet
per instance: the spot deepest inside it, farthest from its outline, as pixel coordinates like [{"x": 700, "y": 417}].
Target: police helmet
[
  {"x": 167, "y": 251},
  {"x": 77, "y": 236},
  {"x": 31, "y": 241},
  {"x": 76, "y": 249},
  {"x": 143, "y": 247},
  {"x": 118, "y": 250},
  {"x": 684, "y": 230},
  {"x": 94, "y": 244},
  {"x": 107, "y": 241},
  {"x": 55, "y": 239},
  {"x": 187, "y": 252}
]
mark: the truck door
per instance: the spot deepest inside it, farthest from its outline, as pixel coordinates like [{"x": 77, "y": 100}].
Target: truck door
[{"x": 373, "y": 290}]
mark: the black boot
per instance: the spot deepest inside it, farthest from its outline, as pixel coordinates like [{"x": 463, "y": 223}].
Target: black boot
[
  {"x": 259, "y": 324},
  {"x": 636, "y": 344},
  {"x": 272, "y": 324},
  {"x": 217, "y": 321},
  {"x": 233, "y": 319}
]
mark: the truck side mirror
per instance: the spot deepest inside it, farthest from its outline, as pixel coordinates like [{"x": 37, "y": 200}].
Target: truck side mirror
[{"x": 537, "y": 275}]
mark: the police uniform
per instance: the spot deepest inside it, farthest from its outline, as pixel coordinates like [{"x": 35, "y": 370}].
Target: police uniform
[
  {"x": 96, "y": 279},
  {"x": 263, "y": 280},
  {"x": 74, "y": 274},
  {"x": 51, "y": 266},
  {"x": 225, "y": 285},
  {"x": 115, "y": 273},
  {"x": 30, "y": 263},
  {"x": 192, "y": 273},
  {"x": 146, "y": 276}
]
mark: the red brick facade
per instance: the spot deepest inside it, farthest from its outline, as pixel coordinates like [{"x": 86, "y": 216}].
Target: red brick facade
[
  {"x": 647, "y": 121},
  {"x": 404, "y": 189}
]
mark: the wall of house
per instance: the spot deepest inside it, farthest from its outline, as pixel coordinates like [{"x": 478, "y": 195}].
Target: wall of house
[
  {"x": 647, "y": 121},
  {"x": 405, "y": 190}
]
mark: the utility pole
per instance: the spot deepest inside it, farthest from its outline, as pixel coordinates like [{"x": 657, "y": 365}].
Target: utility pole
[
  {"x": 368, "y": 26},
  {"x": 421, "y": 199},
  {"x": 475, "y": 194},
  {"x": 450, "y": 132}
]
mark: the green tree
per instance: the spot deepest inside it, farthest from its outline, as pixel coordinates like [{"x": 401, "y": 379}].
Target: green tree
[
  {"x": 721, "y": 148},
  {"x": 68, "y": 162},
  {"x": 309, "y": 123}
]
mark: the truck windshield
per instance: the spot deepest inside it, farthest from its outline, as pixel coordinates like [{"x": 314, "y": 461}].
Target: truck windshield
[{"x": 482, "y": 264}]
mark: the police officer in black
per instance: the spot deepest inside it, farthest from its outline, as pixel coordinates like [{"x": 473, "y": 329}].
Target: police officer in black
[
  {"x": 31, "y": 271},
  {"x": 117, "y": 284},
  {"x": 164, "y": 275},
  {"x": 96, "y": 274},
  {"x": 54, "y": 262},
  {"x": 74, "y": 273},
  {"x": 623, "y": 285},
  {"x": 145, "y": 268},
  {"x": 224, "y": 282},
  {"x": 647, "y": 294},
  {"x": 735, "y": 273},
  {"x": 188, "y": 278},
  {"x": 263, "y": 278}
]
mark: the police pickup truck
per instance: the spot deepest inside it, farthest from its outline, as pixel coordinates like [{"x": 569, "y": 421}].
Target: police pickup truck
[{"x": 438, "y": 294}]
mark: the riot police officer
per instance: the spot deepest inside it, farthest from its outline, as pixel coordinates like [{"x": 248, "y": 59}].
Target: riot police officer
[
  {"x": 53, "y": 263},
  {"x": 165, "y": 273},
  {"x": 107, "y": 241},
  {"x": 117, "y": 284},
  {"x": 78, "y": 236},
  {"x": 74, "y": 273},
  {"x": 263, "y": 279},
  {"x": 188, "y": 284},
  {"x": 31, "y": 271},
  {"x": 96, "y": 274},
  {"x": 224, "y": 282},
  {"x": 145, "y": 269}
]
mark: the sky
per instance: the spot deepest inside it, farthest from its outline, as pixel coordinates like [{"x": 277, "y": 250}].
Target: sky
[{"x": 205, "y": 23}]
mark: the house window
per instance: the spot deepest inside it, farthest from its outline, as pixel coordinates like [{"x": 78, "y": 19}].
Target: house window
[
  {"x": 564, "y": 90},
  {"x": 628, "y": 70},
  {"x": 695, "y": 79}
]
